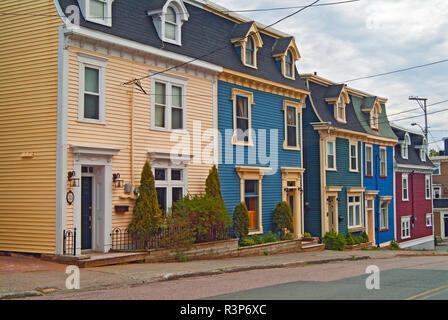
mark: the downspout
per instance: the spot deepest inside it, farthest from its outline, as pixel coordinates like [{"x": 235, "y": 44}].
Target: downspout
[
  {"x": 132, "y": 134},
  {"x": 378, "y": 205},
  {"x": 412, "y": 199}
]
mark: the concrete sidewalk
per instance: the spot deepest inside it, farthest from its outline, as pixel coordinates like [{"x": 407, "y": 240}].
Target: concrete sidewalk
[{"x": 21, "y": 284}]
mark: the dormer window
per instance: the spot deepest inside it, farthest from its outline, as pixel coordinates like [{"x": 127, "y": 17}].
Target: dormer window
[
  {"x": 250, "y": 51},
  {"x": 168, "y": 19},
  {"x": 374, "y": 119},
  {"x": 339, "y": 98},
  {"x": 247, "y": 41},
  {"x": 285, "y": 52},
  {"x": 405, "y": 146},
  {"x": 423, "y": 150},
  {"x": 289, "y": 64},
  {"x": 97, "y": 11}
]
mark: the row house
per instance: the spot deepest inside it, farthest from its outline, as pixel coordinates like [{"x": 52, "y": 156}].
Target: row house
[
  {"x": 348, "y": 157},
  {"x": 413, "y": 194},
  {"x": 440, "y": 192}
]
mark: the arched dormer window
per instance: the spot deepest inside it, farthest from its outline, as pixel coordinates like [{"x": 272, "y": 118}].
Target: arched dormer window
[
  {"x": 405, "y": 146},
  {"x": 168, "y": 20},
  {"x": 289, "y": 64},
  {"x": 97, "y": 11},
  {"x": 375, "y": 116},
  {"x": 339, "y": 102},
  {"x": 250, "y": 51},
  {"x": 285, "y": 52},
  {"x": 423, "y": 149}
]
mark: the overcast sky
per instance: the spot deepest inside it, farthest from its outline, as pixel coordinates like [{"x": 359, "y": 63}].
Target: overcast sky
[{"x": 367, "y": 37}]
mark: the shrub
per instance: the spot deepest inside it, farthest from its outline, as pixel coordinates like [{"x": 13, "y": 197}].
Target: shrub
[
  {"x": 241, "y": 220},
  {"x": 359, "y": 240},
  {"x": 349, "y": 240},
  {"x": 394, "y": 245},
  {"x": 246, "y": 242},
  {"x": 334, "y": 241},
  {"x": 282, "y": 218},
  {"x": 213, "y": 184},
  {"x": 147, "y": 214},
  {"x": 270, "y": 237},
  {"x": 307, "y": 235},
  {"x": 257, "y": 239},
  {"x": 365, "y": 237},
  {"x": 288, "y": 236}
]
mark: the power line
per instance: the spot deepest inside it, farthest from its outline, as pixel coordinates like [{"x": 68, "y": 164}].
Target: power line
[
  {"x": 409, "y": 110},
  {"x": 396, "y": 71}
]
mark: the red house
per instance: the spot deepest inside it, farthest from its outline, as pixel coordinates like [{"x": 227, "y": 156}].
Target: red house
[{"x": 413, "y": 191}]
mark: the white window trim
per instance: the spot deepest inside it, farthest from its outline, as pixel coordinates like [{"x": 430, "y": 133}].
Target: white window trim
[
  {"x": 371, "y": 160},
  {"x": 429, "y": 215},
  {"x": 250, "y": 101},
  {"x": 354, "y": 205},
  {"x": 434, "y": 191},
  {"x": 408, "y": 220},
  {"x": 428, "y": 187},
  {"x": 169, "y": 81},
  {"x": 374, "y": 119},
  {"x": 85, "y": 9},
  {"x": 440, "y": 168},
  {"x": 84, "y": 61},
  {"x": 405, "y": 146},
  {"x": 326, "y": 154},
  {"x": 298, "y": 108},
  {"x": 385, "y": 162},
  {"x": 170, "y": 184},
  {"x": 387, "y": 216},
  {"x": 353, "y": 143},
  {"x": 342, "y": 105},
  {"x": 403, "y": 177}
]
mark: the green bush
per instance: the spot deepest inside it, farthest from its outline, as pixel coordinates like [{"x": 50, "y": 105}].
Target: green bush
[
  {"x": 394, "y": 245},
  {"x": 365, "y": 237},
  {"x": 257, "y": 239},
  {"x": 213, "y": 184},
  {"x": 334, "y": 241},
  {"x": 246, "y": 242},
  {"x": 241, "y": 220},
  {"x": 349, "y": 240},
  {"x": 288, "y": 236},
  {"x": 359, "y": 240},
  {"x": 282, "y": 218},
  {"x": 307, "y": 235},
  {"x": 270, "y": 237}
]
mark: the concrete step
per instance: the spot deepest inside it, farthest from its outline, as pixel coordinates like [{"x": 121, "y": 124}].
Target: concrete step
[
  {"x": 109, "y": 259},
  {"x": 307, "y": 247}
]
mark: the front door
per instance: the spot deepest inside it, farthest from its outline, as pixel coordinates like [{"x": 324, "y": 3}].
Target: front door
[
  {"x": 291, "y": 200},
  {"x": 331, "y": 214},
  {"x": 86, "y": 213}
]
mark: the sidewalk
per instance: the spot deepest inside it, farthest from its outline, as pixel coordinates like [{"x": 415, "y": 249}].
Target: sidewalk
[{"x": 19, "y": 284}]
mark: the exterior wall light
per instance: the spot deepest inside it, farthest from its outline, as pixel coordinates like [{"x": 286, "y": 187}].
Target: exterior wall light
[
  {"x": 117, "y": 180},
  {"x": 74, "y": 181}
]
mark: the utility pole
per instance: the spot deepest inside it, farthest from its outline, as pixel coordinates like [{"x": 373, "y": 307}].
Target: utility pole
[{"x": 422, "y": 103}]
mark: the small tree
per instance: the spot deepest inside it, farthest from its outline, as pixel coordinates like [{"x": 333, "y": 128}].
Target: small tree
[
  {"x": 282, "y": 218},
  {"x": 212, "y": 184},
  {"x": 147, "y": 213},
  {"x": 241, "y": 220}
]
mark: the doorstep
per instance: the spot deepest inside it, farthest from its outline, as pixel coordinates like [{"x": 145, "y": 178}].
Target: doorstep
[{"x": 95, "y": 259}]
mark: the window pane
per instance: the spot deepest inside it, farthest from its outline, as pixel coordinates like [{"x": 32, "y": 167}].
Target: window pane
[
  {"x": 177, "y": 194},
  {"x": 251, "y": 186},
  {"x": 160, "y": 116},
  {"x": 241, "y": 107},
  {"x": 358, "y": 216},
  {"x": 92, "y": 80},
  {"x": 160, "y": 93},
  {"x": 177, "y": 118},
  {"x": 176, "y": 96},
  {"x": 292, "y": 136},
  {"x": 160, "y": 174},
  {"x": 330, "y": 161},
  {"x": 171, "y": 15},
  {"x": 353, "y": 163},
  {"x": 170, "y": 31},
  {"x": 350, "y": 215},
  {"x": 91, "y": 107},
  {"x": 176, "y": 175},
  {"x": 161, "y": 198},
  {"x": 97, "y": 9},
  {"x": 291, "y": 116}
]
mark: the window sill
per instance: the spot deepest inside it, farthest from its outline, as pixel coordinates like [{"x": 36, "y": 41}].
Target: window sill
[
  {"x": 356, "y": 229},
  {"x": 255, "y": 232},
  {"x": 369, "y": 176},
  {"x": 383, "y": 230},
  {"x": 354, "y": 171},
  {"x": 376, "y": 129},
  {"x": 179, "y": 131},
  {"x": 92, "y": 121},
  {"x": 286, "y": 147},
  {"x": 383, "y": 177},
  {"x": 250, "y": 66},
  {"x": 330, "y": 169}
]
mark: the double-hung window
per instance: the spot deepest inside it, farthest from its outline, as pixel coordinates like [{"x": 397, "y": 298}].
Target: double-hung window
[
  {"x": 429, "y": 219},
  {"x": 427, "y": 187},
  {"x": 354, "y": 156},
  {"x": 289, "y": 64},
  {"x": 405, "y": 187},
  {"x": 97, "y": 11},
  {"x": 354, "y": 211},
  {"x": 437, "y": 169},
  {"x": 331, "y": 155},
  {"x": 291, "y": 112},
  {"x": 171, "y": 24},
  {"x": 437, "y": 192},
  {"x": 92, "y": 87},
  {"x": 369, "y": 161},
  {"x": 250, "y": 51},
  {"x": 170, "y": 186},
  {"x": 168, "y": 100},
  {"x": 384, "y": 215},
  {"x": 405, "y": 227},
  {"x": 383, "y": 162},
  {"x": 242, "y": 104}
]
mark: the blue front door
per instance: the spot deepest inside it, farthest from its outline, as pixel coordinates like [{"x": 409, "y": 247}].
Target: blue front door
[{"x": 86, "y": 213}]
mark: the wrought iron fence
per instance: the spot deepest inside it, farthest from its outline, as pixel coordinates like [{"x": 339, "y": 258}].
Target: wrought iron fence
[
  {"x": 69, "y": 242},
  {"x": 126, "y": 240}
]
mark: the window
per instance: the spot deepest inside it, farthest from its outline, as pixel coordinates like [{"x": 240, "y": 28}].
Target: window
[
  {"x": 168, "y": 102},
  {"x": 97, "y": 11},
  {"x": 250, "y": 51},
  {"x": 437, "y": 170},
  {"x": 331, "y": 155},
  {"x": 405, "y": 227},
  {"x": 291, "y": 111},
  {"x": 405, "y": 146},
  {"x": 374, "y": 116},
  {"x": 170, "y": 187},
  {"x": 429, "y": 220},
  {"x": 242, "y": 102},
  {"x": 354, "y": 211},
  {"x": 251, "y": 200},
  {"x": 428, "y": 187},
  {"x": 423, "y": 154},
  {"x": 405, "y": 187},
  {"x": 91, "y": 89},
  {"x": 369, "y": 161},
  {"x": 437, "y": 192},
  {"x": 353, "y": 156},
  {"x": 170, "y": 24},
  {"x": 289, "y": 64},
  {"x": 384, "y": 215},
  {"x": 383, "y": 162},
  {"x": 339, "y": 110}
]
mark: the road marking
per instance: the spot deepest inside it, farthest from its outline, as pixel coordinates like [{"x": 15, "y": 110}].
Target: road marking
[
  {"x": 435, "y": 294},
  {"x": 428, "y": 292}
]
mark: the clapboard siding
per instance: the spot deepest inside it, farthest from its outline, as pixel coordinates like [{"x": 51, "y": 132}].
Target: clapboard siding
[{"x": 28, "y": 120}]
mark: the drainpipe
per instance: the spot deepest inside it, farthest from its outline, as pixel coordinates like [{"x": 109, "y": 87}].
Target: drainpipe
[
  {"x": 378, "y": 205},
  {"x": 132, "y": 135},
  {"x": 412, "y": 199}
]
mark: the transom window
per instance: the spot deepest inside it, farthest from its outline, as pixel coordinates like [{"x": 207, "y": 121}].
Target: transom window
[
  {"x": 405, "y": 227},
  {"x": 354, "y": 211},
  {"x": 354, "y": 156},
  {"x": 405, "y": 187},
  {"x": 369, "y": 161},
  {"x": 331, "y": 155},
  {"x": 384, "y": 215},
  {"x": 383, "y": 162}
]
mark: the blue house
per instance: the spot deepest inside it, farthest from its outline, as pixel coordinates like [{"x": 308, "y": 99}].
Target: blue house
[{"x": 337, "y": 195}]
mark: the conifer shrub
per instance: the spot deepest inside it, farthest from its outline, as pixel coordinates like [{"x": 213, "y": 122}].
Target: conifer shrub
[
  {"x": 213, "y": 184},
  {"x": 282, "y": 218},
  {"x": 334, "y": 241},
  {"x": 349, "y": 240},
  {"x": 241, "y": 220},
  {"x": 365, "y": 237}
]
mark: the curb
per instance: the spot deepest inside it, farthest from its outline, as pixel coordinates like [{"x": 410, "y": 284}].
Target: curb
[
  {"x": 422, "y": 255},
  {"x": 17, "y": 295}
]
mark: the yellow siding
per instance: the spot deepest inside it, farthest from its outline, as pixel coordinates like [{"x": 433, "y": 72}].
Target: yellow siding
[
  {"x": 28, "y": 116},
  {"x": 117, "y": 131}
]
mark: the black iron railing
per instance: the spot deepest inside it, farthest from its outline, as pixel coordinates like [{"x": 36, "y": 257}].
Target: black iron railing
[
  {"x": 69, "y": 242},
  {"x": 126, "y": 240}
]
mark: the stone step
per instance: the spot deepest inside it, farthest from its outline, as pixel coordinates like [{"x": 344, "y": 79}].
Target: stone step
[
  {"x": 313, "y": 247},
  {"x": 109, "y": 259}
]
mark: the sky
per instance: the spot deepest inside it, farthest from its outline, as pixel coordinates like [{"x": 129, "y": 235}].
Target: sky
[{"x": 368, "y": 37}]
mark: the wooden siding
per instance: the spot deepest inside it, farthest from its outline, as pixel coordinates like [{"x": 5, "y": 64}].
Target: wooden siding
[
  {"x": 28, "y": 123},
  {"x": 116, "y": 133}
]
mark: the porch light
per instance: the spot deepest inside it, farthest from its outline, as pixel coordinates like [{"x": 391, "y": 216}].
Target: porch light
[
  {"x": 71, "y": 176},
  {"x": 117, "y": 180}
]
